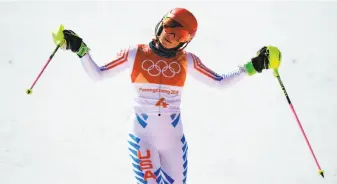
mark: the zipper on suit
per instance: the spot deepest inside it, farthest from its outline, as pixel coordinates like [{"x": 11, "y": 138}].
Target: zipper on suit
[{"x": 160, "y": 83}]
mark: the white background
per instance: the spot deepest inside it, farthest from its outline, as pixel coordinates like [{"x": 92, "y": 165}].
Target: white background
[{"x": 73, "y": 131}]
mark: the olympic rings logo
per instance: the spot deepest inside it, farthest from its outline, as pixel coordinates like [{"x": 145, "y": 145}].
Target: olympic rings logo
[{"x": 161, "y": 67}]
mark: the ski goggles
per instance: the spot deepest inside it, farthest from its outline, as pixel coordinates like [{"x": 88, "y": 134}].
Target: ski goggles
[{"x": 173, "y": 27}]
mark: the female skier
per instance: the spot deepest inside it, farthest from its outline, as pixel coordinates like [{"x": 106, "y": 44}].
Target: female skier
[{"x": 157, "y": 145}]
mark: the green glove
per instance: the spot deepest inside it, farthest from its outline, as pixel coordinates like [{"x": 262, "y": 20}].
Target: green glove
[
  {"x": 69, "y": 40},
  {"x": 268, "y": 57}
]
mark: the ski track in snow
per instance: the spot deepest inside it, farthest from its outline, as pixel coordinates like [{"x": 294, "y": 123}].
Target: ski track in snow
[{"x": 73, "y": 131}]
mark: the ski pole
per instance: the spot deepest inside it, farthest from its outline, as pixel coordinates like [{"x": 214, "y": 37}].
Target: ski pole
[
  {"x": 59, "y": 41},
  {"x": 30, "y": 90},
  {"x": 277, "y": 75}
]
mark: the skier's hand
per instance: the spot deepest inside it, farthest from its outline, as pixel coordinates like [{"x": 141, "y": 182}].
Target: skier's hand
[
  {"x": 75, "y": 43},
  {"x": 268, "y": 57},
  {"x": 69, "y": 40}
]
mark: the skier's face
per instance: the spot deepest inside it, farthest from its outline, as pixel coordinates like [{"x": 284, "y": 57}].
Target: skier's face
[
  {"x": 173, "y": 33},
  {"x": 167, "y": 40}
]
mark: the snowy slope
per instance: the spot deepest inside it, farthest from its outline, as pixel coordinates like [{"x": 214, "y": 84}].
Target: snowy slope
[{"x": 73, "y": 131}]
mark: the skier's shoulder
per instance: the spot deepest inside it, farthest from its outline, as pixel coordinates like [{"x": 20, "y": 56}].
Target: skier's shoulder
[
  {"x": 133, "y": 48},
  {"x": 142, "y": 47},
  {"x": 191, "y": 56},
  {"x": 126, "y": 50}
]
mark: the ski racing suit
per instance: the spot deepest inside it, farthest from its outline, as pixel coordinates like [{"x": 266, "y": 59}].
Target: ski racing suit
[{"x": 157, "y": 144}]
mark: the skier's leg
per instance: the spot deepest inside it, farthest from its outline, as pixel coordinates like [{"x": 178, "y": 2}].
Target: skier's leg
[
  {"x": 174, "y": 162},
  {"x": 173, "y": 157},
  {"x": 144, "y": 156}
]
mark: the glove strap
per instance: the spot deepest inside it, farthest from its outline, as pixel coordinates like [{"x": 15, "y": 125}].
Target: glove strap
[
  {"x": 83, "y": 50},
  {"x": 250, "y": 68}
]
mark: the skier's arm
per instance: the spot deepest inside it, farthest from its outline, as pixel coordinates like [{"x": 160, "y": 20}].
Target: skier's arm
[
  {"x": 123, "y": 60},
  {"x": 268, "y": 57},
  {"x": 207, "y": 76}
]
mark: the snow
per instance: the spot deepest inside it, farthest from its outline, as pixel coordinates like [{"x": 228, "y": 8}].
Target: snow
[{"x": 71, "y": 130}]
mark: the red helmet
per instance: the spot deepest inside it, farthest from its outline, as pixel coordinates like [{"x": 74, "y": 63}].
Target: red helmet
[{"x": 187, "y": 24}]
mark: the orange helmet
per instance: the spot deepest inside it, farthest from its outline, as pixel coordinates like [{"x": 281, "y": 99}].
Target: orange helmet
[{"x": 181, "y": 22}]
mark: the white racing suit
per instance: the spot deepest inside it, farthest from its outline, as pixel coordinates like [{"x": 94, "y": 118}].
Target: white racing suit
[{"x": 157, "y": 145}]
